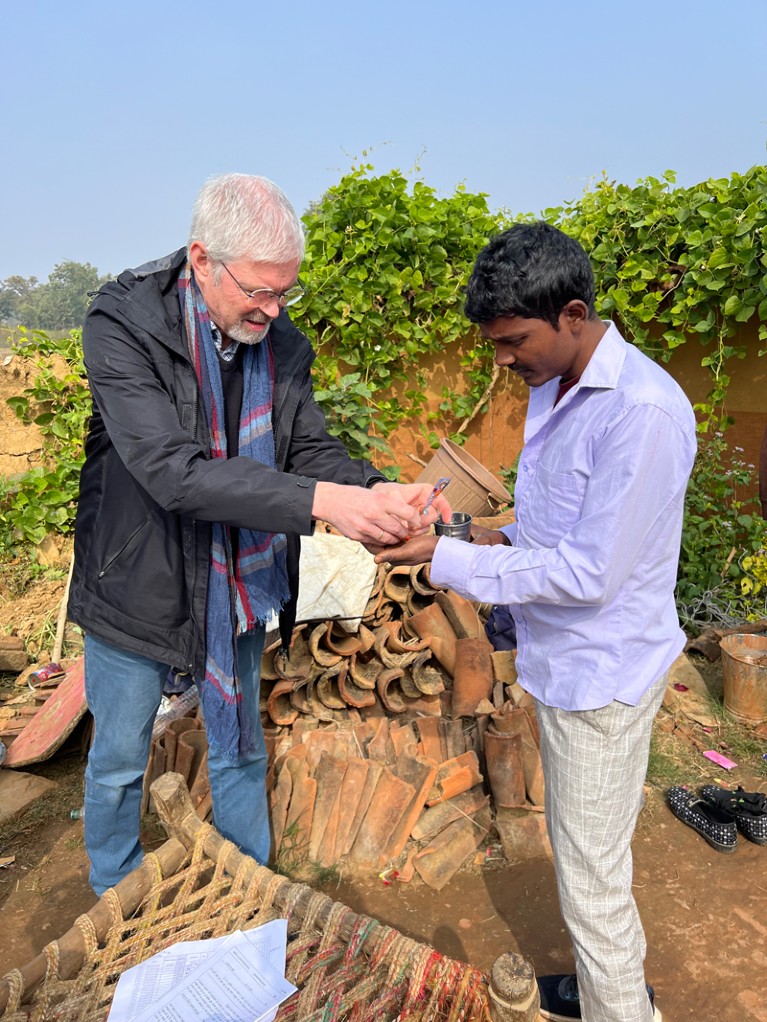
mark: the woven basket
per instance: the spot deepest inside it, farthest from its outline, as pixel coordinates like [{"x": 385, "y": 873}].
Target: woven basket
[{"x": 345, "y": 965}]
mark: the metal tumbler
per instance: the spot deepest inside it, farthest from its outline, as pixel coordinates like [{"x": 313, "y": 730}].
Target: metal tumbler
[{"x": 459, "y": 526}]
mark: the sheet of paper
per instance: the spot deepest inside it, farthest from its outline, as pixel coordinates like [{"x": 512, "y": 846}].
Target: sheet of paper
[
  {"x": 235, "y": 984},
  {"x": 141, "y": 988}
]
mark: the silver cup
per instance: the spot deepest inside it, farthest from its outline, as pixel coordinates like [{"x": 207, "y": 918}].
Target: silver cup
[{"x": 459, "y": 526}]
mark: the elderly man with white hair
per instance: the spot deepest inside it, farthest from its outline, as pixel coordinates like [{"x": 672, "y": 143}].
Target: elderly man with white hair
[{"x": 206, "y": 459}]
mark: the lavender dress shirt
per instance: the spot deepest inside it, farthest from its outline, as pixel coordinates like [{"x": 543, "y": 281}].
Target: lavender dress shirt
[{"x": 598, "y": 499}]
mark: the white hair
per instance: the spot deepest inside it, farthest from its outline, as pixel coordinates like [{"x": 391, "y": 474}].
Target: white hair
[{"x": 241, "y": 216}]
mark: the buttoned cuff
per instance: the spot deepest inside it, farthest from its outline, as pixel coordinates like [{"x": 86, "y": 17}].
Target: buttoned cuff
[{"x": 451, "y": 563}]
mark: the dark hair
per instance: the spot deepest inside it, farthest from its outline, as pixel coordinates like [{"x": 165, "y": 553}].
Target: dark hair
[{"x": 531, "y": 270}]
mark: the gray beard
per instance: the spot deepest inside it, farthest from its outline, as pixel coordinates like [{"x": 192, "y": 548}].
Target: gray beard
[{"x": 244, "y": 336}]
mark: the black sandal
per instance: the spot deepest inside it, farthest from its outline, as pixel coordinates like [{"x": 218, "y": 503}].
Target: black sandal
[
  {"x": 748, "y": 807},
  {"x": 715, "y": 825}
]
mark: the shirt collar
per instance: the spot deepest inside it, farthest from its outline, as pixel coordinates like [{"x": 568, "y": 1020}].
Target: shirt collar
[
  {"x": 606, "y": 364},
  {"x": 227, "y": 353},
  {"x": 601, "y": 373}
]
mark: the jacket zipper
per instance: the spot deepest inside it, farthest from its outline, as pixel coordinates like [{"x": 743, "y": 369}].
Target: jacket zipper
[{"x": 119, "y": 553}]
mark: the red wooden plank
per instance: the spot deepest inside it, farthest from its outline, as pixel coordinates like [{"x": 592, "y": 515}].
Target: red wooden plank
[{"x": 53, "y": 723}]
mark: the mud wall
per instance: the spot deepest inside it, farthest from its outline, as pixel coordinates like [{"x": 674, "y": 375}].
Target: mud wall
[{"x": 495, "y": 438}]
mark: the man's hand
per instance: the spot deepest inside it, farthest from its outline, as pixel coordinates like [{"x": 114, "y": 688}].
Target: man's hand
[
  {"x": 420, "y": 548},
  {"x": 417, "y": 494},
  {"x": 417, "y": 550},
  {"x": 386, "y": 514}
]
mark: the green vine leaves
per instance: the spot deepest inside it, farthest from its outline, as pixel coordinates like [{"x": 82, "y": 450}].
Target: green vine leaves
[
  {"x": 673, "y": 264},
  {"x": 387, "y": 265},
  {"x": 44, "y": 499}
]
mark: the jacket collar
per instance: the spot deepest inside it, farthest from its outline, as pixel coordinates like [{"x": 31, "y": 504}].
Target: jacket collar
[{"x": 147, "y": 297}]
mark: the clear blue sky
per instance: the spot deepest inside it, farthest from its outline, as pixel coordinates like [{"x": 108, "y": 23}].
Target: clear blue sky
[{"x": 114, "y": 113}]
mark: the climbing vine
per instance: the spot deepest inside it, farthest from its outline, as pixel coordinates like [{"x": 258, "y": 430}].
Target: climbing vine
[
  {"x": 58, "y": 402},
  {"x": 678, "y": 264},
  {"x": 386, "y": 267}
]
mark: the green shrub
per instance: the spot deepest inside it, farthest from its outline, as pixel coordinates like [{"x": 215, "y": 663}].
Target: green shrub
[
  {"x": 386, "y": 265},
  {"x": 44, "y": 499},
  {"x": 723, "y": 540}
]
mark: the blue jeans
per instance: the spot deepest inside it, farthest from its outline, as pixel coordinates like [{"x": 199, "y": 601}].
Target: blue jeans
[{"x": 124, "y": 691}]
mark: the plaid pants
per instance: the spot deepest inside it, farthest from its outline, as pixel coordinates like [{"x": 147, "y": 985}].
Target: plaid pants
[{"x": 595, "y": 763}]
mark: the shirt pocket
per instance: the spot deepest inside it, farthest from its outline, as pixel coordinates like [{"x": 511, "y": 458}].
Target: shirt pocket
[{"x": 553, "y": 507}]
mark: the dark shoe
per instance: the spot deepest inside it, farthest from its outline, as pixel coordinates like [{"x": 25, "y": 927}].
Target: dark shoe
[
  {"x": 748, "y": 807},
  {"x": 560, "y": 1001},
  {"x": 714, "y": 825}
]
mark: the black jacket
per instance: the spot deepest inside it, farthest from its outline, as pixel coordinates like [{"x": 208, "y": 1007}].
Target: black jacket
[{"x": 148, "y": 488}]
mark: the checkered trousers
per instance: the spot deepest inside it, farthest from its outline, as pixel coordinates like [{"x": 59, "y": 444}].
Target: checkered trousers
[{"x": 595, "y": 762}]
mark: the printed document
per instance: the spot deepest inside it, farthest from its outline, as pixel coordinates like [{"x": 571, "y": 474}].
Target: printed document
[{"x": 235, "y": 978}]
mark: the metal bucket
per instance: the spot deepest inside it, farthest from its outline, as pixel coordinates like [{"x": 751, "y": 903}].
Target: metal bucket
[{"x": 744, "y": 676}]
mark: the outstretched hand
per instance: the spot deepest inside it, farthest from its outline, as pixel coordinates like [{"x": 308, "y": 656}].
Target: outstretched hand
[
  {"x": 420, "y": 549},
  {"x": 488, "y": 537},
  {"x": 417, "y": 550},
  {"x": 418, "y": 495},
  {"x": 385, "y": 515}
]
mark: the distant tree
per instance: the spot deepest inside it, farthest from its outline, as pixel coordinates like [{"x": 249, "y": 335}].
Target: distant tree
[
  {"x": 60, "y": 304},
  {"x": 14, "y": 291}
]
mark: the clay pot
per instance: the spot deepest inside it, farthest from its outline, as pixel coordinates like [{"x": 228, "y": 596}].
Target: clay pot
[
  {"x": 516, "y": 720},
  {"x": 426, "y": 678},
  {"x": 420, "y": 579},
  {"x": 341, "y": 642},
  {"x": 389, "y": 690},
  {"x": 462, "y": 615},
  {"x": 397, "y": 584},
  {"x": 319, "y": 650},
  {"x": 352, "y": 693}
]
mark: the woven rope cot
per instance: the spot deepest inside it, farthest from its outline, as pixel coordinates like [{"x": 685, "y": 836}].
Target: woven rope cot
[{"x": 346, "y": 966}]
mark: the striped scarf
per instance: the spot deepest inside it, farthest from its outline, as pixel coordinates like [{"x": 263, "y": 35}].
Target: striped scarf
[{"x": 244, "y": 594}]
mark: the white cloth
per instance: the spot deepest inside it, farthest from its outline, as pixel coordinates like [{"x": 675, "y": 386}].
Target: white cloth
[
  {"x": 336, "y": 580},
  {"x": 598, "y": 502}
]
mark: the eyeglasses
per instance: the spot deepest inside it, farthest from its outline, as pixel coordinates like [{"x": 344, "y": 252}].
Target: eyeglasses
[{"x": 261, "y": 295}]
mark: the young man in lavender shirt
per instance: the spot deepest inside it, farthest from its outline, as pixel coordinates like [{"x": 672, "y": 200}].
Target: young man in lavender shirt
[{"x": 588, "y": 571}]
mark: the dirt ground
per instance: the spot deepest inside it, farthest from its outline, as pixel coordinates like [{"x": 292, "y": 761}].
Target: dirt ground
[{"x": 705, "y": 913}]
